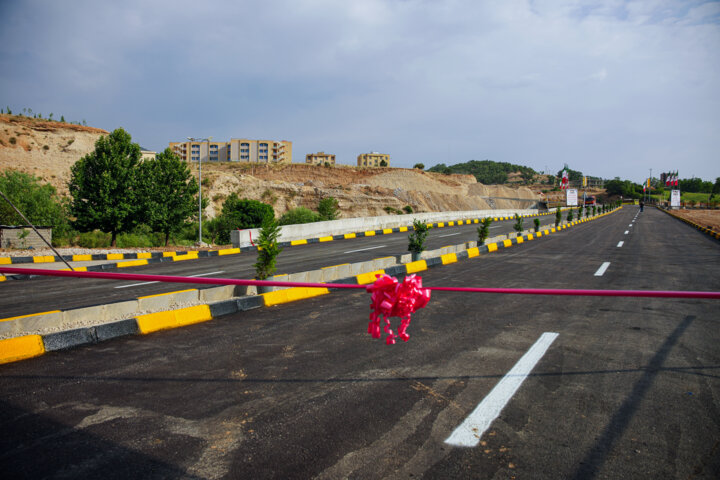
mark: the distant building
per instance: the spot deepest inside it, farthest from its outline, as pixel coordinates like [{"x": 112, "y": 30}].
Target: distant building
[
  {"x": 373, "y": 159},
  {"x": 146, "y": 154},
  {"x": 320, "y": 158},
  {"x": 236, "y": 150}
]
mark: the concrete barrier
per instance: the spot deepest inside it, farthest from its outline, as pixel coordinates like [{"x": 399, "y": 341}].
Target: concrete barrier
[{"x": 289, "y": 233}]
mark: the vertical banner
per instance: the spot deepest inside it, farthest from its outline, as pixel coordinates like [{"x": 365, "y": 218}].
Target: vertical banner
[
  {"x": 584, "y": 181},
  {"x": 675, "y": 198},
  {"x": 572, "y": 197}
]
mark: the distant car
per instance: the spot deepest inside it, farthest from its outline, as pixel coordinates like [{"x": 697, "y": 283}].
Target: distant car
[{"x": 590, "y": 201}]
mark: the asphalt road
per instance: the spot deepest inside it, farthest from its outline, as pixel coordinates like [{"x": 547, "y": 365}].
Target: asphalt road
[
  {"x": 46, "y": 294},
  {"x": 628, "y": 389}
]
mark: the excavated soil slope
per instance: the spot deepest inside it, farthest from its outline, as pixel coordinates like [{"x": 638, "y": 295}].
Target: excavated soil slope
[
  {"x": 43, "y": 148},
  {"x": 48, "y": 150}
]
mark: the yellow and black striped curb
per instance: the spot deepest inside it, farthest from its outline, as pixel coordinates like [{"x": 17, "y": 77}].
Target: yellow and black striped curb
[
  {"x": 147, "y": 258},
  {"x": 707, "y": 230},
  {"x": 29, "y": 346}
]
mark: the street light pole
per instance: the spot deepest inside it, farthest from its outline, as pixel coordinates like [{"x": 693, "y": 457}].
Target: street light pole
[{"x": 200, "y": 181}]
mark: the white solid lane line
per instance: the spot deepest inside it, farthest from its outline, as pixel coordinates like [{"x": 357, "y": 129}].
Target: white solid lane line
[
  {"x": 449, "y": 234},
  {"x": 363, "y": 249},
  {"x": 148, "y": 283},
  {"x": 601, "y": 270},
  {"x": 620, "y": 244},
  {"x": 469, "y": 432}
]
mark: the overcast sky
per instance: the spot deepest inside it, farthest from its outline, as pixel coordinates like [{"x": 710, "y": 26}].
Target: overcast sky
[{"x": 611, "y": 88}]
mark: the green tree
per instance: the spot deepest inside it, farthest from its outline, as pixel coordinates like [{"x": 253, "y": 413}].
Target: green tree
[
  {"x": 416, "y": 240},
  {"x": 39, "y": 203},
  {"x": 518, "y": 223},
  {"x": 104, "y": 186},
  {"x": 242, "y": 213},
  {"x": 536, "y": 222},
  {"x": 419, "y": 165},
  {"x": 383, "y": 163},
  {"x": 558, "y": 216},
  {"x": 569, "y": 217},
  {"x": 168, "y": 193},
  {"x": 299, "y": 215},
  {"x": 328, "y": 208},
  {"x": 484, "y": 230},
  {"x": 268, "y": 248}
]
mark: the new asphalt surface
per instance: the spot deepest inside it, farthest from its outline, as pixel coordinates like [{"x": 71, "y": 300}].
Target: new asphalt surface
[
  {"x": 39, "y": 294},
  {"x": 628, "y": 389}
]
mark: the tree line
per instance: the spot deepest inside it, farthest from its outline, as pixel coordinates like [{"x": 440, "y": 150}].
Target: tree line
[{"x": 114, "y": 193}]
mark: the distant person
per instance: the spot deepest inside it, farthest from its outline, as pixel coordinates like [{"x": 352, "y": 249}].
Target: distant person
[{"x": 642, "y": 205}]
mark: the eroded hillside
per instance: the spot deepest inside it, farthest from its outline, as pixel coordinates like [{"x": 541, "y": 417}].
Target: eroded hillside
[{"x": 48, "y": 150}]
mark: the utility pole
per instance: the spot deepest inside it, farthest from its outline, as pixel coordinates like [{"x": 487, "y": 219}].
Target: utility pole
[{"x": 200, "y": 140}]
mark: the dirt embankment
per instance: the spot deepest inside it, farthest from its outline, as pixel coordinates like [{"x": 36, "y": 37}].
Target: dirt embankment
[
  {"x": 706, "y": 218},
  {"x": 48, "y": 150},
  {"x": 43, "y": 148}
]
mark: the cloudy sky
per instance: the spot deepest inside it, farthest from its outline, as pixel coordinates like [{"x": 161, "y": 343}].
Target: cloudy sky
[{"x": 612, "y": 88}]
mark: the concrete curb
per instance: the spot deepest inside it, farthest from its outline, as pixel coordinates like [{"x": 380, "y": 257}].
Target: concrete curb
[
  {"x": 146, "y": 258},
  {"x": 706, "y": 230},
  {"x": 29, "y": 346}
]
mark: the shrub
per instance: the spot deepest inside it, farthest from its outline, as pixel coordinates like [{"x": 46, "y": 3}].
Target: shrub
[
  {"x": 268, "y": 249},
  {"x": 419, "y": 165},
  {"x": 299, "y": 215},
  {"x": 416, "y": 240},
  {"x": 392, "y": 210},
  {"x": 242, "y": 213},
  {"x": 518, "y": 223},
  {"x": 94, "y": 239},
  {"x": 13, "y": 140},
  {"x": 407, "y": 209},
  {"x": 484, "y": 230},
  {"x": 536, "y": 222},
  {"x": 558, "y": 216},
  {"x": 328, "y": 208},
  {"x": 570, "y": 215}
]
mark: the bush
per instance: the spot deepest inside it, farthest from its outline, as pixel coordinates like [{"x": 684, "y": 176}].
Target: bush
[
  {"x": 536, "y": 222},
  {"x": 518, "y": 223},
  {"x": 39, "y": 203},
  {"x": 392, "y": 210},
  {"x": 94, "y": 239},
  {"x": 240, "y": 214},
  {"x": 419, "y": 165},
  {"x": 328, "y": 209},
  {"x": 299, "y": 215},
  {"x": 416, "y": 240},
  {"x": 407, "y": 209},
  {"x": 558, "y": 216},
  {"x": 268, "y": 249},
  {"x": 570, "y": 215},
  {"x": 484, "y": 230}
]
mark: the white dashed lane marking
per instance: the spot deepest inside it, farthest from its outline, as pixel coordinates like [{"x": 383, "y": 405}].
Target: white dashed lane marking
[
  {"x": 601, "y": 270},
  {"x": 469, "y": 432}
]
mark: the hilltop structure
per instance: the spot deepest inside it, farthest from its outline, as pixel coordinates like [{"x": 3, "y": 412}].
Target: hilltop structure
[
  {"x": 373, "y": 159},
  {"x": 236, "y": 150},
  {"x": 320, "y": 158}
]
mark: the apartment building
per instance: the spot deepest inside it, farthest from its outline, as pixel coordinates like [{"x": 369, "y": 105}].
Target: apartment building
[
  {"x": 236, "y": 150},
  {"x": 320, "y": 158},
  {"x": 373, "y": 159}
]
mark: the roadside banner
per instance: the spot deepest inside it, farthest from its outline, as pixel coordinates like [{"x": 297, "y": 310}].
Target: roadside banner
[
  {"x": 675, "y": 198},
  {"x": 572, "y": 197}
]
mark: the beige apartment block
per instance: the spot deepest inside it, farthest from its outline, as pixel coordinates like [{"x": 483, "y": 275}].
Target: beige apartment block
[
  {"x": 320, "y": 158},
  {"x": 236, "y": 150},
  {"x": 373, "y": 159}
]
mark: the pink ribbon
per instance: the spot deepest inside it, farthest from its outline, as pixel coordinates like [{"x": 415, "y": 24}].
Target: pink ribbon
[{"x": 390, "y": 298}]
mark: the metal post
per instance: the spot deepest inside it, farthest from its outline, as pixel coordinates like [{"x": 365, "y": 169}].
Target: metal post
[{"x": 200, "y": 140}]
